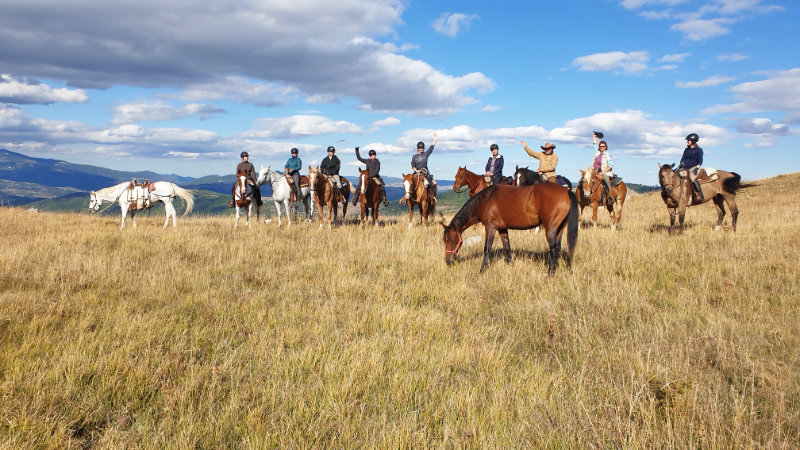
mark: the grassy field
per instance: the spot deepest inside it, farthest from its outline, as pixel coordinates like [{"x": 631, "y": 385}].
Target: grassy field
[{"x": 205, "y": 337}]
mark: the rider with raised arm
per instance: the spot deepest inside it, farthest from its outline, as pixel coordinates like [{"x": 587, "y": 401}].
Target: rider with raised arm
[
  {"x": 548, "y": 160},
  {"x": 374, "y": 167},
  {"x": 330, "y": 167},
  {"x": 247, "y": 168},
  {"x": 691, "y": 160},
  {"x": 419, "y": 163},
  {"x": 292, "y": 168},
  {"x": 494, "y": 166},
  {"x": 602, "y": 164}
]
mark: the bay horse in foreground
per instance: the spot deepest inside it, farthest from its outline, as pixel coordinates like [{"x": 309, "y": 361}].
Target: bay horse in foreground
[
  {"x": 473, "y": 181},
  {"x": 502, "y": 208},
  {"x": 132, "y": 197},
  {"x": 282, "y": 193},
  {"x": 677, "y": 194},
  {"x": 370, "y": 196},
  {"x": 417, "y": 195},
  {"x": 323, "y": 192},
  {"x": 590, "y": 193}
]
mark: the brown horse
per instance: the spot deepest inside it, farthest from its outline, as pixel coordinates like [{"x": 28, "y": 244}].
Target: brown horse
[
  {"x": 526, "y": 177},
  {"x": 677, "y": 194},
  {"x": 502, "y": 208},
  {"x": 243, "y": 198},
  {"x": 324, "y": 194},
  {"x": 370, "y": 196},
  {"x": 473, "y": 181},
  {"x": 417, "y": 195},
  {"x": 590, "y": 193}
]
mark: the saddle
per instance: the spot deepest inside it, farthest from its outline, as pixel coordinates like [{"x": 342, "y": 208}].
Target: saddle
[
  {"x": 139, "y": 196},
  {"x": 704, "y": 175},
  {"x": 145, "y": 184},
  {"x": 303, "y": 180}
]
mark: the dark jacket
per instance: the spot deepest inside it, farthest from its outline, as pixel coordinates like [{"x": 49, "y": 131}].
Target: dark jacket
[
  {"x": 420, "y": 160},
  {"x": 496, "y": 169},
  {"x": 248, "y": 169},
  {"x": 374, "y": 166},
  {"x": 692, "y": 157},
  {"x": 330, "y": 165}
]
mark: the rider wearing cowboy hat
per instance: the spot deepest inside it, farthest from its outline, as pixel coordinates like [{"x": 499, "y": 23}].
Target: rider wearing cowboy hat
[
  {"x": 548, "y": 160},
  {"x": 247, "y": 167},
  {"x": 691, "y": 160},
  {"x": 374, "y": 167}
]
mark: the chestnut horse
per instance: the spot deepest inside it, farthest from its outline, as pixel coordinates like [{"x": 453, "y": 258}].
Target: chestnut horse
[
  {"x": 370, "y": 196},
  {"x": 502, "y": 208},
  {"x": 677, "y": 195},
  {"x": 324, "y": 194},
  {"x": 526, "y": 177},
  {"x": 590, "y": 193},
  {"x": 417, "y": 195},
  {"x": 473, "y": 181}
]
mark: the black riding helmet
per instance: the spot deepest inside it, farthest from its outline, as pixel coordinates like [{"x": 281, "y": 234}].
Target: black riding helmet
[
  {"x": 243, "y": 154},
  {"x": 331, "y": 149},
  {"x": 295, "y": 151},
  {"x": 493, "y": 146},
  {"x": 372, "y": 152},
  {"x": 420, "y": 144},
  {"x": 693, "y": 137}
]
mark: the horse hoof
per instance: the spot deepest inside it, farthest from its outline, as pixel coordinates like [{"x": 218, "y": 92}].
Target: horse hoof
[
  {"x": 717, "y": 228},
  {"x": 267, "y": 220}
]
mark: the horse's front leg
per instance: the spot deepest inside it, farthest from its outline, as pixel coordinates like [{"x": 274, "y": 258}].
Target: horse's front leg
[
  {"x": 124, "y": 214},
  {"x": 506, "y": 245},
  {"x": 594, "y": 213},
  {"x": 487, "y": 246},
  {"x": 375, "y": 213},
  {"x": 673, "y": 213},
  {"x": 364, "y": 212},
  {"x": 410, "y": 214},
  {"x": 423, "y": 210},
  {"x": 236, "y": 222}
]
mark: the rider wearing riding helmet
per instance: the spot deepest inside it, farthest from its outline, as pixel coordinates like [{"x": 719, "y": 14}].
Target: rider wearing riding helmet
[
  {"x": 330, "y": 167},
  {"x": 374, "y": 167},
  {"x": 419, "y": 163},
  {"x": 548, "y": 160},
  {"x": 292, "y": 168},
  {"x": 247, "y": 168},
  {"x": 494, "y": 166},
  {"x": 602, "y": 164},
  {"x": 691, "y": 160}
]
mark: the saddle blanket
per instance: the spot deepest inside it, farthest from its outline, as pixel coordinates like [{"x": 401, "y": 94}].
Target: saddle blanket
[{"x": 707, "y": 175}]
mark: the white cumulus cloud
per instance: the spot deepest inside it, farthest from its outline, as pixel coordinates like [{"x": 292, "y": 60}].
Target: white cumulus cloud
[
  {"x": 452, "y": 24},
  {"x": 30, "y": 92}
]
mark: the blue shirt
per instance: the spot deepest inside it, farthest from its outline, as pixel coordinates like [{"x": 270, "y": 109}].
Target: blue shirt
[
  {"x": 293, "y": 165},
  {"x": 692, "y": 157}
]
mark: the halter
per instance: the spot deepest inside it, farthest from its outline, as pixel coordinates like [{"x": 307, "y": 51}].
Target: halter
[{"x": 458, "y": 245}]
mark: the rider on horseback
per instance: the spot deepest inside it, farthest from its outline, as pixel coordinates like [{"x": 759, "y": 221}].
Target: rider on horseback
[
  {"x": 548, "y": 160},
  {"x": 330, "y": 167},
  {"x": 374, "y": 167},
  {"x": 494, "y": 166},
  {"x": 691, "y": 161},
  {"x": 419, "y": 163},
  {"x": 247, "y": 168},
  {"x": 602, "y": 164},
  {"x": 292, "y": 168}
]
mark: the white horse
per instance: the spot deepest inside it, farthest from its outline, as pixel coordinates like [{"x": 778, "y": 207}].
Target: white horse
[
  {"x": 163, "y": 191},
  {"x": 281, "y": 192}
]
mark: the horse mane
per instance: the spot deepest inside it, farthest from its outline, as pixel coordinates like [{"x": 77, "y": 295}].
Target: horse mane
[
  {"x": 468, "y": 210},
  {"x": 102, "y": 192}
]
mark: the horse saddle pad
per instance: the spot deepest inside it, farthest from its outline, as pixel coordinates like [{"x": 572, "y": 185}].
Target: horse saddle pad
[
  {"x": 617, "y": 180},
  {"x": 303, "y": 180},
  {"x": 706, "y": 175}
]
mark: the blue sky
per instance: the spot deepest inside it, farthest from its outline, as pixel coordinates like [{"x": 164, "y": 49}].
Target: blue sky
[{"x": 183, "y": 87}]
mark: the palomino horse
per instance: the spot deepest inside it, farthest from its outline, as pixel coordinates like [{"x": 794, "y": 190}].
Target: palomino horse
[
  {"x": 677, "y": 194},
  {"x": 473, "y": 181},
  {"x": 243, "y": 198},
  {"x": 502, "y": 208},
  {"x": 526, "y": 177},
  {"x": 417, "y": 195},
  {"x": 590, "y": 192},
  {"x": 152, "y": 193},
  {"x": 370, "y": 196},
  {"x": 323, "y": 192},
  {"x": 281, "y": 192}
]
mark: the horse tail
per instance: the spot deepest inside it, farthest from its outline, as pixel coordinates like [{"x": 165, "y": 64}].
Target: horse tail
[
  {"x": 572, "y": 223},
  {"x": 186, "y": 196},
  {"x": 734, "y": 183}
]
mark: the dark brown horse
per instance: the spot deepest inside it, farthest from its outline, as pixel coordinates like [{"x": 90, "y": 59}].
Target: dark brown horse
[
  {"x": 526, "y": 177},
  {"x": 417, "y": 195},
  {"x": 324, "y": 194},
  {"x": 370, "y": 196},
  {"x": 502, "y": 208},
  {"x": 473, "y": 181},
  {"x": 677, "y": 194},
  {"x": 590, "y": 193}
]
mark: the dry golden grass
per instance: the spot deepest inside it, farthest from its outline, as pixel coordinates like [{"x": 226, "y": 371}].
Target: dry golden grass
[{"x": 205, "y": 337}]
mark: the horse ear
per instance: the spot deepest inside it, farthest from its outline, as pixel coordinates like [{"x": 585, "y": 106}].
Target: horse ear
[
  {"x": 443, "y": 225},
  {"x": 659, "y": 165},
  {"x": 517, "y": 167}
]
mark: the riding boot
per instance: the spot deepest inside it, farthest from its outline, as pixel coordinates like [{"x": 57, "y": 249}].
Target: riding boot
[
  {"x": 356, "y": 195},
  {"x": 609, "y": 198},
  {"x": 230, "y": 203},
  {"x": 698, "y": 190},
  {"x": 383, "y": 196}
]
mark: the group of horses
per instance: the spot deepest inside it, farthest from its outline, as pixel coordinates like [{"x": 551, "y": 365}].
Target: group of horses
[{"x": 524, "y": 201}]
